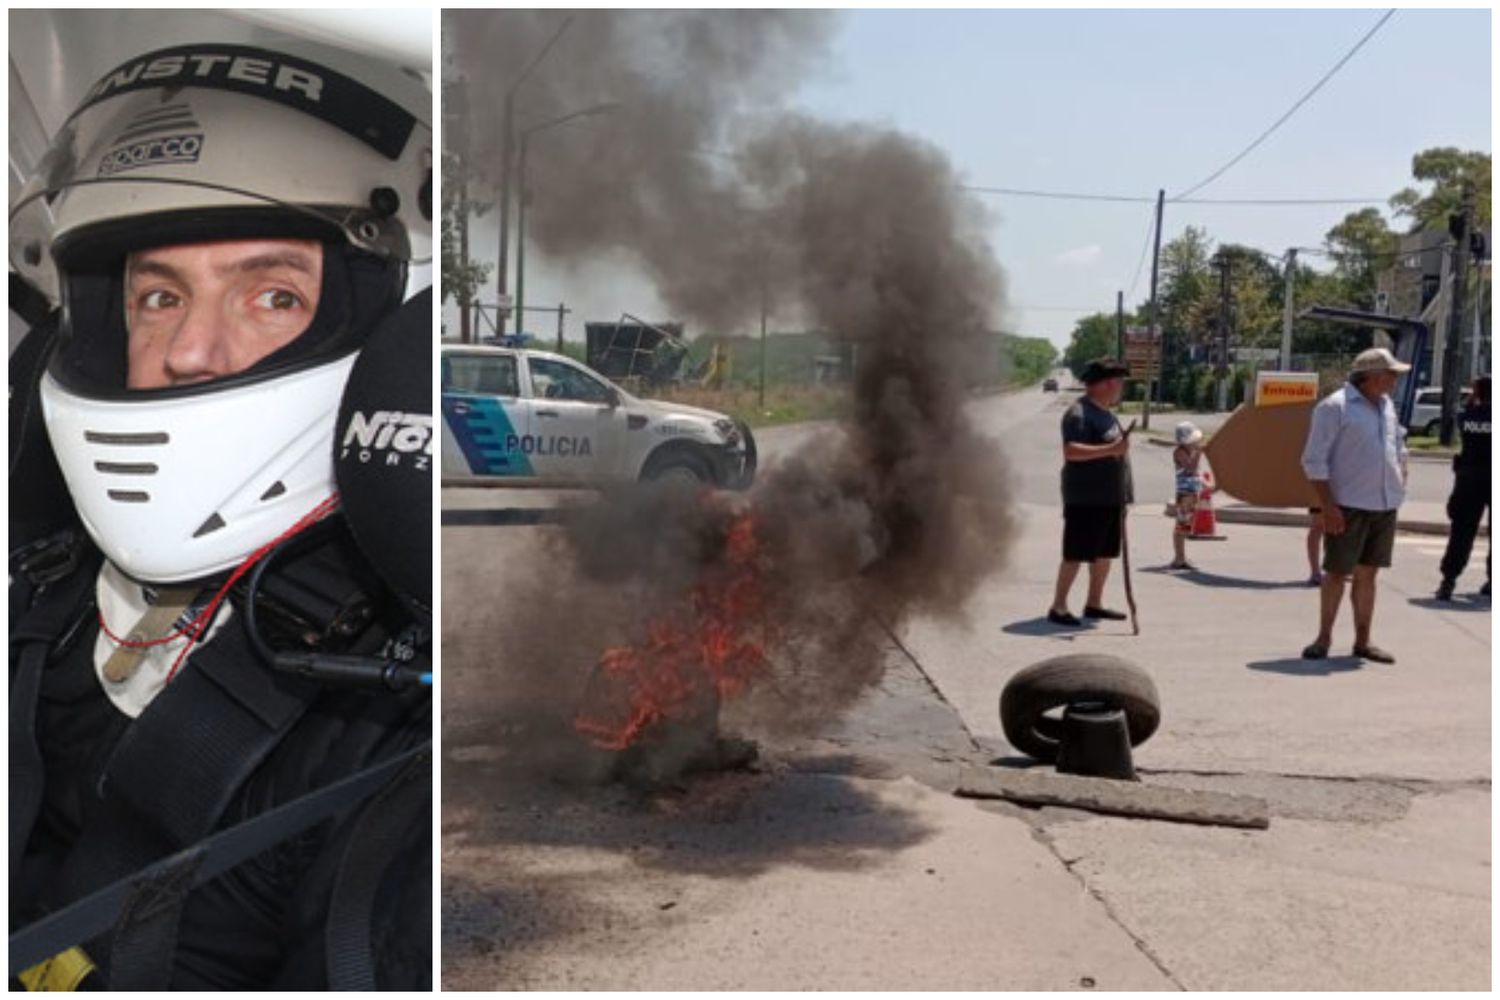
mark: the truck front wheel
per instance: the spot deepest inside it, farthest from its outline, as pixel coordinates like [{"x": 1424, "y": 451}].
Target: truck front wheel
[{"x": 680, "y": 466}]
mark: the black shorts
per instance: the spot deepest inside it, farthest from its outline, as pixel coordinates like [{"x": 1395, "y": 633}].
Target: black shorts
[
  {"x": 1369, "y": 539},
  {"x": 1091, "y": 532}
]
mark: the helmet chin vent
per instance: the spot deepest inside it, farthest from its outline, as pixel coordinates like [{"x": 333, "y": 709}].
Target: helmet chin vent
[
  {"x": 277, "y": 488},
  {"x": 105, "y": 437},
  {"x": 213, "y": 524},
  {"x": 129, "y": 496},
  {"x": 126, "y": 468}
]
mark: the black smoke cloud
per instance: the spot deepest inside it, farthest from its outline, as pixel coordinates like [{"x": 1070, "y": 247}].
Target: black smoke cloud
[{"x": 720, "y": 195}]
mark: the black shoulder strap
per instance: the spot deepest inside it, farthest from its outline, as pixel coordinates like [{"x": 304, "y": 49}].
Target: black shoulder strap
[
  {"x": 174, "y": 876},
  {"x": 380, "y": 833},
  {"x": 168, "y": 784},
  {"x": 53, "y": 607}
]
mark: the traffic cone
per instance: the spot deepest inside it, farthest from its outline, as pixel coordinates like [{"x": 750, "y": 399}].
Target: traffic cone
[{"x": 1205, "y": 523}]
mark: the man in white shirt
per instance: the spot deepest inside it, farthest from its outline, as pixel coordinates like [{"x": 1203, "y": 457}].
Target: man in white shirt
[{"x": 1355, "y": 457}]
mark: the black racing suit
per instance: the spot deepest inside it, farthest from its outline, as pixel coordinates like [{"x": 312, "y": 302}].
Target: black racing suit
[
  {"x": 1470, "y": 499},
  {"x": 260, "y": 925}
]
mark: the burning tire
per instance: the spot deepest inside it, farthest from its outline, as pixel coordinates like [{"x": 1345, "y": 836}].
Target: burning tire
[{"x": 1066, "y": 680}]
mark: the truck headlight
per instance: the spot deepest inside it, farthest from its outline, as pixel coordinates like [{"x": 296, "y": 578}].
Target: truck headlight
[{"x": 729, "y": 431}]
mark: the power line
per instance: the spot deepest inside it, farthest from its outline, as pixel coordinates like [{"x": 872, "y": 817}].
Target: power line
[
  {"x": 1290, "y": 111},
  {"x": 1278, "y": 201},
  {"x": 1130, "y": 199},
  {"x": 1059, "y": 195},
  {"x": 1150, "y": 228}
]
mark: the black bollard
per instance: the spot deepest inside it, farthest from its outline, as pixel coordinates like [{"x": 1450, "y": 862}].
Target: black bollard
[{"x": 1095, "y": 742}]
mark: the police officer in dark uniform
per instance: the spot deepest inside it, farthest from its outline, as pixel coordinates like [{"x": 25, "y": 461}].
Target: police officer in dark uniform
[
  {"x": 1470, "y": 499},
  {"x": 220, "y": 718}
]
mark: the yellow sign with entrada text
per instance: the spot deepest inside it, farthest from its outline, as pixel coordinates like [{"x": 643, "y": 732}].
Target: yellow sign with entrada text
[{"x": 1281, "y": 388}]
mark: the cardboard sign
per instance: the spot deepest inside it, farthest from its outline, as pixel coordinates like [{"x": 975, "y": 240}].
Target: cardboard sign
[
  {"x": 1283, "y": 388},
  {"x": 1257, "y": 455}
]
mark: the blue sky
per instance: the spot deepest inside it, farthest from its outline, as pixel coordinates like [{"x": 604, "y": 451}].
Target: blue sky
[{"x": 1125, "y": 102}]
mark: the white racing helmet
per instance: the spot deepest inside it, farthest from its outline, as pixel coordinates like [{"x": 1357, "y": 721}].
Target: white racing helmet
[{"x": 218, "y": 142}]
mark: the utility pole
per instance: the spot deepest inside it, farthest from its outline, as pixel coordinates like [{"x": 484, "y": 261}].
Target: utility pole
[
  {"x": 1288, "y": 310},
  {"x": 763, "y": 311},
  {"x": 1120, "y": 325},
  {"x": 1476, "y": 334},
  {"x": 1459, "y": 227},
  {"x": 1221, "y": 264},
  {"x": 507, "y": 142},
  {"x": 520, "y": 306},
  {"x": 562, "y": 310},
  {"x": 507, "y": 154},
  {"x": 1156, "y": 350}
]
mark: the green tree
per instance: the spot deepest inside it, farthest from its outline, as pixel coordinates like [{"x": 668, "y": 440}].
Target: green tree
[
  {"x": 1361, "y": 246},
  {"x": 461, "y": 282},
  {"x": 1447, "y": 168},
  {"x": 1028, "y": 359},
  {"x": 1254, "y": 297},
  {"x": 1093, "y": 337}
]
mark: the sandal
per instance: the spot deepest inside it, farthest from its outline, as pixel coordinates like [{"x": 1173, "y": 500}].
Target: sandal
[
  {"x": 1374, "y": 653},
  {"x": 1315, "y": 651}
]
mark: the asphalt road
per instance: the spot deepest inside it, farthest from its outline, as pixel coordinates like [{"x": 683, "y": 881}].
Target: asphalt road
[{"x": 842, "y": 861}]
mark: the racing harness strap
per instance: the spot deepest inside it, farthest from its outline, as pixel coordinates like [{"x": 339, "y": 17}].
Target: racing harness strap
[
  {"x": 173, "y": 877},
  {"x": 165, "y": 789},
  {"x": 378, "y": 838},
  {"x": 56, "y": 604}
]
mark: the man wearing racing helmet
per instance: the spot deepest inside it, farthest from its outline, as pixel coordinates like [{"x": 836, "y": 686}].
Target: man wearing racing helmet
[{"x": 217, "y": 648}]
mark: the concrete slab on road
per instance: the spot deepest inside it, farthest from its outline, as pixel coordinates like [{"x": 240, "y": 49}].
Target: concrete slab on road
[
  {"x": 1307, "y": 905},
  {"x": 772, "y": 882}
]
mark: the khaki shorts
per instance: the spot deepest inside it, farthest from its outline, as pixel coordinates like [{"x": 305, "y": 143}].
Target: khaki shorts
[{"x": 1368, "y": 540}]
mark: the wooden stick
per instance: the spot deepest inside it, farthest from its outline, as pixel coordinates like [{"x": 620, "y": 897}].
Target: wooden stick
[{"x": 1135, "y": 625}]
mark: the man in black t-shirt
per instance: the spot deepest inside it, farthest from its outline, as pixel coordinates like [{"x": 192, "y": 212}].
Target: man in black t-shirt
[
  {"x": 1096, "y": 486},
  {"x": 1470, "y": 498}
]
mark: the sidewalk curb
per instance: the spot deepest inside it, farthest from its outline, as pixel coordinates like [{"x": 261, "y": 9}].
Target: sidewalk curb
[
  {"x": 1416, "y": 456},
  {"x": 1300, "y": 519}
]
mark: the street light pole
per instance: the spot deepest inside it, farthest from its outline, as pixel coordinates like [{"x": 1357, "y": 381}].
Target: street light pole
[
  {"x": 507, "y": 153},
  {"x": 1287, "y": 311},
  {"x": 507, "y": 138},
  {"x": 526, "y": 135},
  {"x": 521, "y": 234}
]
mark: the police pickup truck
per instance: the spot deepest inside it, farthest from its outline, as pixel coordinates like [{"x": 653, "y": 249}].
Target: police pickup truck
[{"x": 519, "y": 417}]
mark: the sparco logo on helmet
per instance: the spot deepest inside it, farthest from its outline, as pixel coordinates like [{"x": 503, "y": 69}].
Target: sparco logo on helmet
[
  {"x": 395, "y": 435},
  {"x": 150, "y": 152}
]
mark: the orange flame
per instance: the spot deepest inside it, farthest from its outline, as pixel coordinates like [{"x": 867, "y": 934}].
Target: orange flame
[{"x": 686, "y": 656}]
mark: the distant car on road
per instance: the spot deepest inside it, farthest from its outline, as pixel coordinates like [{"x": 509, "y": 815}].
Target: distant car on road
[
  {"x": 1427, "y": 410},
  {"x": 516, "y": 417},
  {"x": 1049, "y": 385}
]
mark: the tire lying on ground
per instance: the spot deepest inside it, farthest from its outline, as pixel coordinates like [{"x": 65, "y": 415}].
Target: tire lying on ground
[{"x": 1067, "y": 680}]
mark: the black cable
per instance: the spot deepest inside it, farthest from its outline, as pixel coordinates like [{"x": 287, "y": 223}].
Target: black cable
[
  {"x": 1289, "y": 112},
  {"x": 1129, "y": 199},
  {"x": 365, "y": 671},
  {"x": 1140, "y": 262}
]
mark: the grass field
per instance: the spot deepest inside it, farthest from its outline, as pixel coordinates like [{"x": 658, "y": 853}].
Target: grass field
[{"x": 785, "y": 404}]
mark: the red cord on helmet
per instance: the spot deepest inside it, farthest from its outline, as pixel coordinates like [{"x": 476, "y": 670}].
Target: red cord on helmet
[{"x": 198, "y": 627}]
